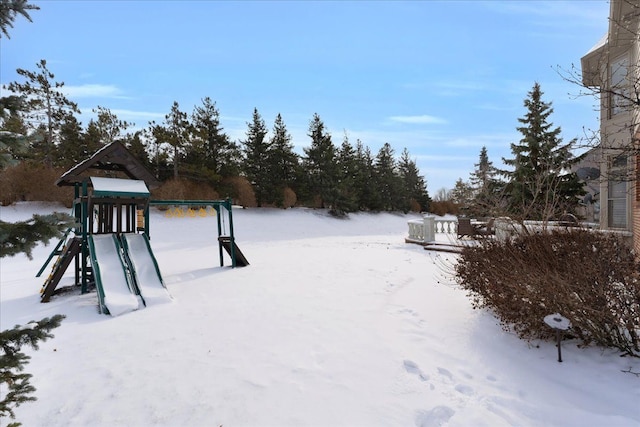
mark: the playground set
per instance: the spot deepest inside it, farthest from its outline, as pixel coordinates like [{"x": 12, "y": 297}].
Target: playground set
[{"x": 109, "y": 242}]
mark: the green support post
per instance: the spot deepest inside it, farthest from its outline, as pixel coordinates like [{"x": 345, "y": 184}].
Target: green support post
[
  {"x": 232, "y": 241},
  {"x": 218, "y": 218},
  {"x": 147, "y": 223},
  {"x": 84, "y": 207}
]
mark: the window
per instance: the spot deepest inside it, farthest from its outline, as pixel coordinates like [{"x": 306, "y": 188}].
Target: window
[
  {"x": 617, "y": 198},
  {"x": 619, "y": 86}
]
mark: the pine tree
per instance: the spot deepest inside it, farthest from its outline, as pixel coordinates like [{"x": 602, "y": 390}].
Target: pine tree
[
  {"x": 368, "y": 196},
  {"x": 347, "y": 193},
  {"x": 23, "y": 236},
  {"x": 13, "y": 131},
  {"x": 257, "y": 148},
  {"x": 15, "y": 388},
  {"x": 110, "y": 127},
  {"x": 413, "y": 183},
  {"x": 462, "y": 196},
  {"x": 154, "y": 134},
  {"x": 484, "y": 172},
  {"x": 137, "y": 148},
  {"x": 387, "y": 181},
  {"x": 282, "y": 161},
  {"x": 45, "y": 104},
  {"x": 10, "y": 9},
  {"x": 486, "y": 187},
  {"x": 71, "y": 150},
  {"x": 211, "y": 149},
  {"x": 92, "y": 140},
  {"x": 176, "y": 134},
  {"x": 540, "y": 186},
  {"x": 320, "y": 163}
]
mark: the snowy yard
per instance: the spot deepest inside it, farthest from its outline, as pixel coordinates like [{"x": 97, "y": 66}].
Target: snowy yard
[{"x": 334, "y": 323}]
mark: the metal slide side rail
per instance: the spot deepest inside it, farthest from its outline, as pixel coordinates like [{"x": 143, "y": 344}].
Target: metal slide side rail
[{"x": 97, "y": 276}]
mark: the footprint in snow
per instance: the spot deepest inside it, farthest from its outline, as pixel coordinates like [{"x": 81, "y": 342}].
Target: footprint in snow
[
  {"x": 412, "y": 368},
  {"x": 460, "y": 388},
  {"x": 464, "y": 389},
  {"x": 434, "y": 417},
  {"x": 445, "y": 373}
]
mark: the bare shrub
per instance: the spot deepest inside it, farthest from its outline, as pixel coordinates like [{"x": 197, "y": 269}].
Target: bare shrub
[
  {"x": 591, "y": 278},
  {"x": 443, "y": 207},
  {"x": 414, "y": 206},
  {"x": 184, "y": 189},
  {"x": 242, "y": 191},
  {"x": 30, "y": 181},
  {"x": 289, "y": 198}
]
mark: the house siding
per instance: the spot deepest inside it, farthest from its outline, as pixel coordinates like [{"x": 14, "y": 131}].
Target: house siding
[{"x": 619, "y": 131}]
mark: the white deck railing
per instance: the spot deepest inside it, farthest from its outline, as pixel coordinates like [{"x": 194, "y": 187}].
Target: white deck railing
[{"x": 424, "y": 230}]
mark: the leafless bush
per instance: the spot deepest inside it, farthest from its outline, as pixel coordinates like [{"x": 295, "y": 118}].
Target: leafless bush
[
  {"x": 443, "y": 207},
  {"x": 242, "y": 191},
  {"x": 183, "y": 189},
  {"x": 29, "y": 181},
  {"x": 289, "y": 198},
  {"x": 414, "y": 206},
  {"x": 591, "y": 278}
]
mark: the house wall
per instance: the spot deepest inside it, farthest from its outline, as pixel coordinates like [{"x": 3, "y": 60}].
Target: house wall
[
  {"x": 635, "y": 70},
  {"x": 617, "y": 131}
]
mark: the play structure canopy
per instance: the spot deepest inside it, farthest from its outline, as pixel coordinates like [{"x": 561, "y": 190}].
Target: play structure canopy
[
  {"x": 115, "y": 187},
  {"x": 113, "y": 157}
]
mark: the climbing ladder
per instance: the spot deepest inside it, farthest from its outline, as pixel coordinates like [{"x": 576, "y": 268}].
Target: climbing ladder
[{"x": 70, "y": 249}]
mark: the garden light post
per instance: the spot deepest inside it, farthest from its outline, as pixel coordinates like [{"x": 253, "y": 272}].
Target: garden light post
[{"x": 560, "y": 324}]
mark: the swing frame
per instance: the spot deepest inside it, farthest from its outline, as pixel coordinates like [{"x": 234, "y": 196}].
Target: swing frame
[{"x": 218, "y": 205}]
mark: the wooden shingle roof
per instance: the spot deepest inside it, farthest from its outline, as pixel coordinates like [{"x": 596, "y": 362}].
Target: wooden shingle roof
[{"x": 113, "y": 157}]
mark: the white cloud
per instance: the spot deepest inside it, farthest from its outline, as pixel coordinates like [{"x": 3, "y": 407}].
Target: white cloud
[
  {"x": 93, "y": 90},
  {"x": 423, "y": 119},
  {"x": 137, "y": 114}
]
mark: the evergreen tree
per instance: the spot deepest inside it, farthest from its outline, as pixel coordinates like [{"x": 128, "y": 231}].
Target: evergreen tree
[
  {"x": 175, "y": 133},
  {"x": 320, "y": 163},
  {"x": 14, "y": 383},
  {"x": 136, "y": 147},
  {"x": 92, "y": 140},
  {"x": 257, "y": 148},
  {"x": 45, "y": 104},
  {"x": 347, "y": 193},
  {"x": 387, "y": 180},
  {"x": 540, "y": 185},
  {"x": 13, "y": 132},
  {"x": 462, "y": 195},
  {"x": 23, "y": 236},
  {"x": 154, "y": 134},
  {"x": 10, "y": 9},
  {"x": 368, "y": 196},
  {"x": 413, "y": 183},
  {"x": 483, "y": 173},
  {"x": 109, "y": 126},
  {"x": 212, "y": 151},
  {"x": 71, "y": 149},
  {"x": 282, "y": 161},
  {"x": 487, "y": 188}
]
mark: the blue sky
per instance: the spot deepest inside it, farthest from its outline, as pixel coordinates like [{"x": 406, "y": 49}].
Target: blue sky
[{"x": 441, "y": 78}]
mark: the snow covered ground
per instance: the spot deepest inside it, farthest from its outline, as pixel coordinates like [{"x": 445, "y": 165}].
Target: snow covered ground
[{"x": 334, "y": 323}]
